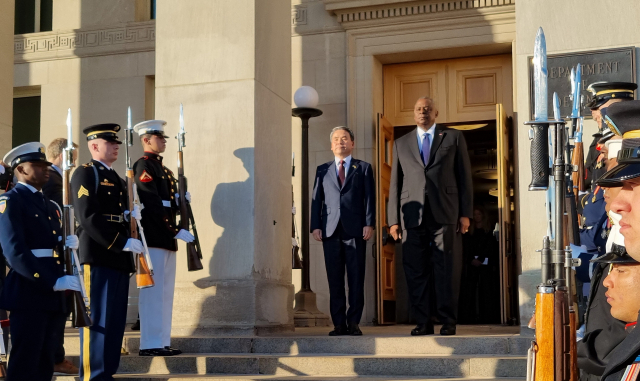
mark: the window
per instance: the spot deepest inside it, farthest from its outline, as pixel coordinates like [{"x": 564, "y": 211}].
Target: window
[
  {"x": 26, "y": 120},
  {"x": 33, "y": 16}
]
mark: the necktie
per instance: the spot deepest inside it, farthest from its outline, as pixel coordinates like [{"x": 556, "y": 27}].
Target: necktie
[
  {"x": 341, "y": 172},
  {"x": 426, "y": 148}
]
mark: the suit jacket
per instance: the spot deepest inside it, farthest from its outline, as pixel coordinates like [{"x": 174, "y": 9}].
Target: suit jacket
[
  {"x": 446, "y": 179},
  {"x": 101, "y": 240},
  {"x": 30, "y": 222},
  {"x": 624, "y": 354},
  {"x": 354, "y": 204},
  {"x": 156, "y": 184},
  {"x": 53, "y": 188}
]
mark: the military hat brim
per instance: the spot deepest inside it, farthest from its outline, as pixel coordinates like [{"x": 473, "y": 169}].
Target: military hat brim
[
  {"x": 617, "y": 255},
  {"x": 155, "y": 132},
  {"x": 108, "y": 137},
  {"x": 622, "y": 172}
]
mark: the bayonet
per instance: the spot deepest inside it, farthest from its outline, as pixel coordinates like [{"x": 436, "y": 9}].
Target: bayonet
[
  {"x": 540, "y": 77},
  {"x": 180, "y": 137},
  {"x": 576, "y": 98}
]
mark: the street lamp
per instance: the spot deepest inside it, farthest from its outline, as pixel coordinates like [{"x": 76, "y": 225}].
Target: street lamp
[{"x": 306, "y": 313}]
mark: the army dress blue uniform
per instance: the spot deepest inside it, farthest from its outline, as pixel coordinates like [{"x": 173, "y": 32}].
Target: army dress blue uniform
[
  {"x": 157, "y": 188},
  {"x": 31, "y": 238},
  {"x": 99, "y": 197}
]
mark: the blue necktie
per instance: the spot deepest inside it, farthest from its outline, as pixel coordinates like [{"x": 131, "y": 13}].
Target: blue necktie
[{"x": 426, "y": 148}]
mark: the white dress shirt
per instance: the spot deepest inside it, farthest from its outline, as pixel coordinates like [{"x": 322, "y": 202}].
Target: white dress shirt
[
  {"x": 347, "y": 162},
  {"x": 108, "y": 167},
  {"x": 32, "y": 189},
  {"x": 420, "y": 132}
]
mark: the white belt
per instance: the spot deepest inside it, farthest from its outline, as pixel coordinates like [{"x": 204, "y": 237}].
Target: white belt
[
  {"x": 42, "y": 253},
  {"x": 166, "y": 204}
]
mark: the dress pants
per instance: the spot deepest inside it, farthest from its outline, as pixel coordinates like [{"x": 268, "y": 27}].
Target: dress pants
[
  {"x": 342, "y": 250},
  {"x": 156, "y": 303},
  {"x": 432, "y": 258},
  {"x": 101, "y": 343},
  {"x": 34, "y": 338}
]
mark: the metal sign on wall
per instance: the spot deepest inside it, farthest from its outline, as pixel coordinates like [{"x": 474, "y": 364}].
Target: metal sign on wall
[{"x": 611, "y": 65}]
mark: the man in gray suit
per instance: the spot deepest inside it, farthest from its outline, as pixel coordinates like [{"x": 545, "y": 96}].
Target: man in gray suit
[
  {"x": 342, "y": 217},
  {"x": 430, "y": 203}
]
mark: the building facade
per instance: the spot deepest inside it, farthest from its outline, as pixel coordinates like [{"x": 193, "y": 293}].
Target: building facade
[{"x": 235, "y": 65}]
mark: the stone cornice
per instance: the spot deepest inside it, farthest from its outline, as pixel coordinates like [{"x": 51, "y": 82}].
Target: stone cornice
[
  {"x": 363, "y": 13},
  {"x": 61, "y": 44}
]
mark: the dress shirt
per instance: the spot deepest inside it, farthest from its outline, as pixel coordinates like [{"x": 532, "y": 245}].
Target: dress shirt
[
  {"x": 420, "y": 132},
  {"x": 57, "y": 169},
  {"x": 347, "y": 161},
  {"x": 108, "y": 167}
]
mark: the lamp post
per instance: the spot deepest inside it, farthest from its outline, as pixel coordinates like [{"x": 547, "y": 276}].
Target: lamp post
[{"x": 306, "y": 313}]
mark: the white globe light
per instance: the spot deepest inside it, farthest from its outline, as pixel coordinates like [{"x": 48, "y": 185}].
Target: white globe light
[{"x": 306, "y": 96}]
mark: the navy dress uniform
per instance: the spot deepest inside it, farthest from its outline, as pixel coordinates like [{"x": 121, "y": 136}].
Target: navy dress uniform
[
  {"x": 99, "y": 197},
  {"x": 157, "y": 188},
  {"x": 31, "y": 238}
]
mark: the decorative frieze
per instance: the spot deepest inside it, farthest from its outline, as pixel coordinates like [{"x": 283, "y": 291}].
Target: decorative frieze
[
  {"x": 299, "y": 16},
  {"x": 408, "y": 8},
  {"x": 132, "y": 37}
]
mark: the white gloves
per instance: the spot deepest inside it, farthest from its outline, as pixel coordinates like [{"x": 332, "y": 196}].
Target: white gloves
[
  {"x": 185, "y": 236},
  {"x": 67, "y": 282},
  {"x": 72, "y": 242},
  {"x": 136, "y": 212},
  {"x": 133, "y": 245},
  {"x": 186, "y": 195}
]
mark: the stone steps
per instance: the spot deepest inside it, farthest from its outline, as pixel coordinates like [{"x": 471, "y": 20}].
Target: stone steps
[
  {"x": 143, "y": 377},
  {"x": 345, "y": 345},
  {"x": 326, "y": 365}
]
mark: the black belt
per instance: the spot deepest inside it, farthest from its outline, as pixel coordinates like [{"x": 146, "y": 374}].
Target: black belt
[{"x": 119, "y": 218}]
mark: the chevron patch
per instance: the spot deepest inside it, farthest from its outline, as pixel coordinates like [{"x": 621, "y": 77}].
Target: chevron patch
[
  {"x": 83, "y": 191},
  {"x": 146, "y": 177}
]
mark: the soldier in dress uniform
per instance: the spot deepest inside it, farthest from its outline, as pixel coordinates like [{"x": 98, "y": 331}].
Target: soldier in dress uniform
[
  {"x": 31, "y": 238},
  {"x": 604, "y": 94},
  {"x": 99, "y": 197},
  {"x": 157, "y": 189}
]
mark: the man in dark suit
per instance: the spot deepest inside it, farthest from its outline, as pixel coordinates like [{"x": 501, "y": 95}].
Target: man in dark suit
[
  {"x": 342, "y": 217},
  {"x": 430, "y": 203},
  {"x": 53, "y": 190}
]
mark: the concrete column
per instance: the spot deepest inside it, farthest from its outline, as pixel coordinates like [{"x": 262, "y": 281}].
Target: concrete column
[
  {"x": 229, "y": 63},
  {"x": 6, "y": 74}
]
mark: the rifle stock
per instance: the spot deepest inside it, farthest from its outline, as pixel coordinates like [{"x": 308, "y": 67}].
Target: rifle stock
[{"x": 144, "y": 276}]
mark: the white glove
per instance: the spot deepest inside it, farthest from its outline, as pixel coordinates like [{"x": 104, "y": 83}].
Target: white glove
[
  {"x": 67, "y": 282},
  {"x": 136, "y": 211},
  {"x": 186, "y": 195},
  {"x": 72, "y": 242},
  {"x": 185, "y": 236},
  {"x": 133, "y": 245}
]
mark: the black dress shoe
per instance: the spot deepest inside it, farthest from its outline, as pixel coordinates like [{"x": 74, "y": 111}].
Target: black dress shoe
[
  {"x": 448, "y": 329},
  {"x": 422, "y": 329},
  {"x": 174, "y": 351},
  {"x": 339, "y": 331},
  {"x": 354, "y": 330},
  {"x": 136, "y": 326},
  {"x": 155, "y": 352}
]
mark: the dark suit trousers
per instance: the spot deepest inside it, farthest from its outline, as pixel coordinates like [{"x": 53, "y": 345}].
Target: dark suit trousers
[
  {"x": 34, "y": 338},
  {"x": 432, "y": 257},
  {"x": 342, "y": 250}
]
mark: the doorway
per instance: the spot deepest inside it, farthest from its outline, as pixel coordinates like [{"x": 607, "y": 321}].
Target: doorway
[{"x": 473, "y": 95}]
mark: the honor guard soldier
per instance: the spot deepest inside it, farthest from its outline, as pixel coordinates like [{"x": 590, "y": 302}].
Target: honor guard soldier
[
  {"x": 31, "y": 238},
  {"x": 158, "y": 192},
  {"x": 603, "y": 95},
  {"x": 99, "y": 198}
]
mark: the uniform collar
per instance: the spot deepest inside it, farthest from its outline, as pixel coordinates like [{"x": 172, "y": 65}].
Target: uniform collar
[
  {"x": 31, "y": 188},
  {"x": 153, "y": 155},
  {"x": 108, "y": 167}
]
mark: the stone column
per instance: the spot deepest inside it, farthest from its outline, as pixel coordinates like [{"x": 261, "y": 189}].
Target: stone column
[
  {"x": 6, "y": 74},
  {"x": 229, "y": 63}
]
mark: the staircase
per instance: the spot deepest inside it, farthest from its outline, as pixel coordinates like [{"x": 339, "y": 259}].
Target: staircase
[{"x": 383, "y": 353}]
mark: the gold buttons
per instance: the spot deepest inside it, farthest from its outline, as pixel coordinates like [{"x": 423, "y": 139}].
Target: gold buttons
[
  {"x": 54, "y": 232},
  {"x": 120, "y": 193},
  {"x": 120, "y": 203},
  {"x": 37, "y": 216},
  {"x": 162, "y": 177},
  {"x": 108, "y": 192},
  {"x": 58, "y": 262},
  {"x": 36, "y": 275},
  {"x": 172, "y": 197}
]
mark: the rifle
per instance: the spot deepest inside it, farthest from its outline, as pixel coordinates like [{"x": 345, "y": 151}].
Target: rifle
[
  {"x": 194, "y": 252},
  {"x": 144, "y": 267},
  {"x": 552, "y": 353},
  {"x": 79, "y": 301}
]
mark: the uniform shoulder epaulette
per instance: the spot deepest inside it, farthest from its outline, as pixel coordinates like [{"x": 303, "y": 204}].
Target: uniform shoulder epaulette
[{"x": 89, "y": 164}]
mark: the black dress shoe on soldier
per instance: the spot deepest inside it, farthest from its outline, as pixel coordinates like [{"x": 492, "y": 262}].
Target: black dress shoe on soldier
[
  {"x": 422, "y": 329},
  {"x": 448, "y": 329},
  {"x": 174, "y": 351},
  {"x": 155, "y": 352},
  {"x": 354, "y": 330},
  {"x": 339, "y": 331}
]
